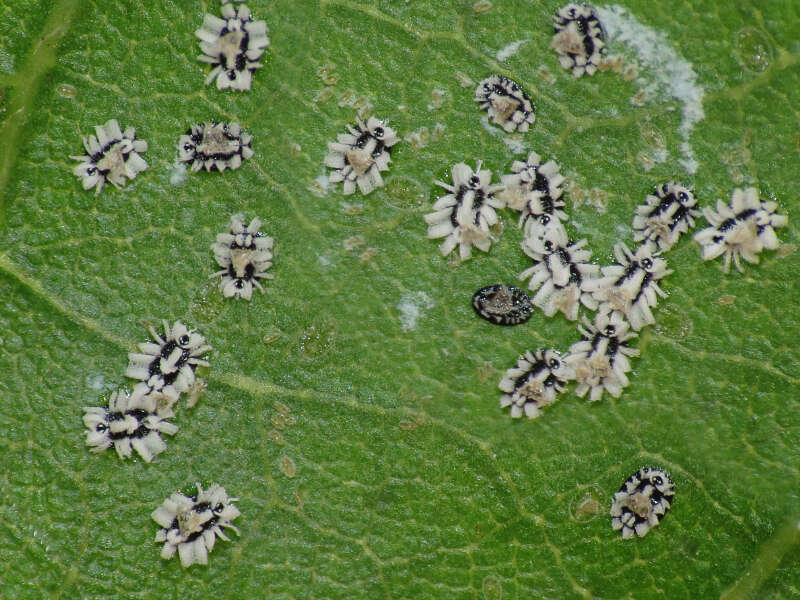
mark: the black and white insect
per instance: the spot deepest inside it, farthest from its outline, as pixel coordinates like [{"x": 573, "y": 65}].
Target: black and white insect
[
  {"x": 535, "y": 189},
  {"x": 245, "y": 255},
  {"x": 641, "y": 502},
  {"x": 464, "y": 215},
  {"x": 741, "y": 229},
  {"x": 666, "y": 214},
  {"x": 506, "y": 102},
  {"x": 111, "y": 155},
  {"x": 360, "y": 155},
  {"x": 560, "y": 273},
  {"x": 167, "y": 364},
  {"x": 579, "y": 38},
  {"x": 232, "y": 45},
  {"x": 599, "y": 361},
  {"x": 502, "y": 304},
  {"x": 215, "y": 146},
  {"x": 536, "y": 380},
  {"x": 191, "y": 525},
  {"x": 129, "y": 422},
  {"x": 631, "y": 285}
]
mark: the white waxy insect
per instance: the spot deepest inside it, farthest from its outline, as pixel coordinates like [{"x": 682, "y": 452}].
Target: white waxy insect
[
  {"x": 191, "y": 525},
  {"x": 232, "y": 45},
  {"x": 167, "y": 364},
  {"x": 536, "y": 380},
  {"x": 579, "y": 39},
  {"x": 535, "y": 189},
  {"x": 560, "y": 274},
  {"x": 130, "y": 422},
  {"x": 641, "y": 502},
  {"x": 631, "y": 286},
  {"x": 600, "y": 360},
  {"x": 245, "y": 255},
  {"x": 215, "y": 146},
  {"x": 740, "y": 229},
  {"x": 666, "y": 214},
  {"x": 506, "y": 102},
  {"x": 111, "y": 155},
  {"x": 464, "y": 215},
  {"x": 360, "y": 155}
]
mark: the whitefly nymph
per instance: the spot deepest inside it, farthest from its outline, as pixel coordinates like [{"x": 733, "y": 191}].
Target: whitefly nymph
[
  {"x": 245, "y": 255},
  {"x": 559, "y": 275},
  {"x": 599, "y": 361},
  {"x": 464, "y": 215},
  {"x": 506, "y": 102},
  {"x": 166, "y": 364},
  {"x": 232, "y": 45},
  {"x": 534, "y": 189},
  {"x": 740, "y": 229},
  {"x": 641, "y": 502},
  {"x": 215, "y": 146},
  {"x": 191, "y": 525},
  {"x": 666, "y": 214},
  {"x": 129, "y": 423},
  {"x": 536, "y": 380},
  {"x": 579, "y": 39},
  {"x": 360, "y": 155},
  {"x": 631, "y": 285},
  {"x": 111, "y": 155},
  {"x": 502, "y": 304}
]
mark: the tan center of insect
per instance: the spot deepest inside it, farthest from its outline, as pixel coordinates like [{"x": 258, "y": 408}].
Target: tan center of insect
[
  {"x": 471, "y": 234},
  {"x": 501, "y": 302},
  {"x": 240, "y": 258},
  {"x": 658, "y": 229},
  {"x": 569, "y": 41},
  {"x": 565, "y": 299},
  {"x": 745, "y": 237},
  {"x": 640, "y": 504},
  {"x": 504, "y": 107},
  {"x": 533, "y": 390},
  {"x": 113, "y": 162},
  {"x": 596, "y": 368},
  {"x": 190, "y": 521},
  {"x": 215, "y": 142},
  {"x": 229, "y": 47},
  {"x": 360, "y": 160}
]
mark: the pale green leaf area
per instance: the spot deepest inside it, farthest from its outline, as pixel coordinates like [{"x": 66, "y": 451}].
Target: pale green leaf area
[{"x": 395, "y": 474}]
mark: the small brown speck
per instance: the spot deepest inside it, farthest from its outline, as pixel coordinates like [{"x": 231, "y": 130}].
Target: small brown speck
[{"x": 288, "y": 467}]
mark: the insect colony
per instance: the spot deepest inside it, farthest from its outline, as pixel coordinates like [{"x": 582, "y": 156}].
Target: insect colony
[{"x": 562, "y": 276}]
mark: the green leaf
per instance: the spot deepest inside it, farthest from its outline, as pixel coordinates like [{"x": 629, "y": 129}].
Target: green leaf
[{"x": 394, "y": 473}]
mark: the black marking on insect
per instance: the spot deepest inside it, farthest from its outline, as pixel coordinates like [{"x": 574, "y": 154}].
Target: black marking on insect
[
  {"x": 502, "y": 304},
  {"x": 642, "y": 501}
]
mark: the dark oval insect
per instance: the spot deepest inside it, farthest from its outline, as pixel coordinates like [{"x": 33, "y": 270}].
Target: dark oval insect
[{"x": 502, "y": 304}]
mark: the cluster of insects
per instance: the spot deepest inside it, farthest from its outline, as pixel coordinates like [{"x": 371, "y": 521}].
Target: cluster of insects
[
  {"x": 165, "y": 368},
  {"x": 562, "y": 277}
]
